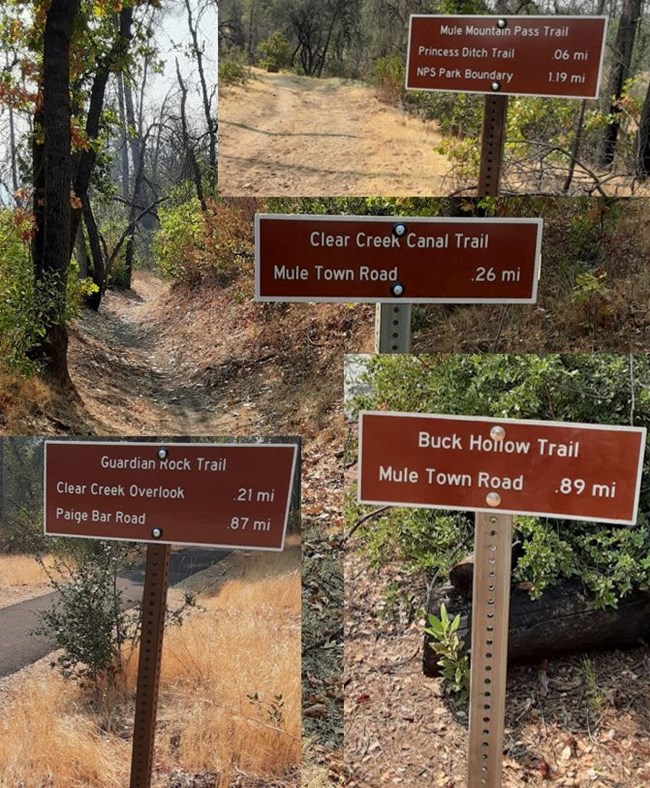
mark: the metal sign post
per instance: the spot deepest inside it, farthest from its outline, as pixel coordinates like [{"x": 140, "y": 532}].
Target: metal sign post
[
  {"x": 393, "y": 328},
  {"x": 154, "y": 602},
  {"x": 489, "y": 654},
  {"x": 492, "y": 142}
]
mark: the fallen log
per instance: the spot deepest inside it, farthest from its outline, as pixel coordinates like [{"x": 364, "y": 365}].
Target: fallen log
[
  {"x": 461, "y": 575},
  {"x": 561, "y": 622}
]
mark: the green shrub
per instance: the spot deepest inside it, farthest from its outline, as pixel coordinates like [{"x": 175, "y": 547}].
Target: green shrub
[
  {"x": 215, "y": 245},
  {"x": 87, "y": 619},
  {"x": 25, "y": 308},
  {"x": 232, "y": 69},
  {"x": 453, "y": 660},
  {"x": 177, "y": 238},
  {"x": 459, "y": 115},
  {"x": 18, "y": 327},
  {"x": 610, "y": 561},
  {"x": 389, "y": 73},
  {"x": 274, "y": 51}
]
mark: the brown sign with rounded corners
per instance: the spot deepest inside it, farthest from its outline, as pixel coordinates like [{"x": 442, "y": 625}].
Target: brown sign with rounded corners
[
  {"x": 544, "y": 469},
  {"x": 556, "y": 56},
  {"x": 218, "y": 495},
  {"x": 391, "y": 259}
]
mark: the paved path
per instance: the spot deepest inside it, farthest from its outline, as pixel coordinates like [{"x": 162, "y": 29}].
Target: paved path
[{"x": 18, "y": 647}]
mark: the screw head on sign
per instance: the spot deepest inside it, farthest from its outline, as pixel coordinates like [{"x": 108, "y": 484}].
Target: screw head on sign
[
  {"x": 493, "y": 520},
  {"x": 162, "y": 453},
  {"x": 156, "y": 533},
  {"x": 399, "y": 229},
  {"x": 493, "y": 499},
  {"x": 501, "y": 23},
  {"x": 397, "y": 289},
  {"x": 497, "y": 433},
  {"x": 496, "y": 86}
]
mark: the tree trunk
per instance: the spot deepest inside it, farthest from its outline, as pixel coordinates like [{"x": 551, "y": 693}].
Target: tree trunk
[
  {"x": 82, "y": 254},
  {"x": 13, "y": 151},
  {"x": 251, "y": 22},
  {"x": 52, "y": 178},
  {"x": 187, "y": 143},
  {"x": 38, "y": 182},
  {"x": 124, "y": 158},
  {"x": 211, "y": 121},
  {"x": 561, "y": 622},
  {"x": 643, "y": 140},
  {"x": 137, "y": 157},
  {"x": 99, "y": 268},
  {"x": 85, "y": 160},
  {"x": 575, "y": 151},
  {"x": 2, "y": 482},
  {"x": 622, "y": 57},
  {"x": 335, "y": 16}
]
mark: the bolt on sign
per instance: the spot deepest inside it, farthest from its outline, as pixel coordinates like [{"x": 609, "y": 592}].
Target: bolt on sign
[
  {"x": 555, "y": 56},
  {"x": 540, "y": 468},
  {"x": 386, "y": 259},
  {"x": 219, "y": 495}
]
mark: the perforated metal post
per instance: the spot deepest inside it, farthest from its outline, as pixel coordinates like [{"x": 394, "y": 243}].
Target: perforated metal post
[
  {"x": 156, "y": 582},
  {"x": 490, "y": 618},
  {"x": 492, "y": 140},
  {"x": 393, "y": 328}
]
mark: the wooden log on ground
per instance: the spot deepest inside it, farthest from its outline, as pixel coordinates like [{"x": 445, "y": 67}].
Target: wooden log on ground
[
  {"x": 561, "y": 622},
  {"x": 461, "y": 575}
]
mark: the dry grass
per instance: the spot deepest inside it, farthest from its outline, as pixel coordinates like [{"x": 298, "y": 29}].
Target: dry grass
[
  {"x": 24, "y": 570},
  {"x": 568, "y": 317},
  {"x": 20, "y": 398},
  {"x": 314, "y": 772},
  {"x": 30, "y": 405},
  {"x": 244, "y": 640},
  {"x": 247, "y": 642},
  {"x": 47, "y": 739}
]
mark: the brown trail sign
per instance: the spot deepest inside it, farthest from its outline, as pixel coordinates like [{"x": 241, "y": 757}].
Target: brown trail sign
[
  {"x": 219, "y": 495},
  {"x": 554, "y": 56},
  {"x": 386, "y": 260},
  {"x": 373, "y": 259},
  {"x": 229, "y": 495},
  {"x": 539, "y": 468},
  {"x": 494, "y": 467}
]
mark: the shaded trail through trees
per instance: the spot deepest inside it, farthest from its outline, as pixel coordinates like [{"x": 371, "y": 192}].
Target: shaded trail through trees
[
  {"x": 163, "y": 360},
  {"x": 141, "y": 364},
  {"x": 284, "y": 134}
]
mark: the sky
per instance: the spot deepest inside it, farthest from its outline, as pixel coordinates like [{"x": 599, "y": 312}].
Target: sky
[{"x": 171, "y": 31}]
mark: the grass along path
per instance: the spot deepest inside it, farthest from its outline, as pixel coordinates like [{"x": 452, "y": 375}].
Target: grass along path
[
  {"x": 285, "y": 134},
  {"x": 243, "y": 640}
]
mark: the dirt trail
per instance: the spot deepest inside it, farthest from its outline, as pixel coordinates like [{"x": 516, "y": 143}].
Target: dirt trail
[
  {"x": 211, "y": 361},
  {"x": 136, "y": 371},
  {"x": 284, "y": 134}
]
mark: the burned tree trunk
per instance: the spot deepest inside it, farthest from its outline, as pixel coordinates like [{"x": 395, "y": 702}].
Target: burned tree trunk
[
  {"x": 620, "y": 70},
  {"x": 52, "y": 179},
  {"x": 563, "y": 621}
]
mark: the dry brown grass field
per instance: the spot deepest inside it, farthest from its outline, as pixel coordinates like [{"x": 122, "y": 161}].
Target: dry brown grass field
[
  {"x": 23, "y": 570},
  {"x": 22, "y": 577},
  {"x": 243, "y": 640}
]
